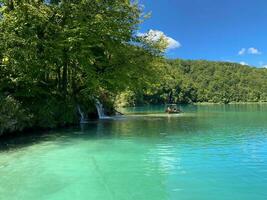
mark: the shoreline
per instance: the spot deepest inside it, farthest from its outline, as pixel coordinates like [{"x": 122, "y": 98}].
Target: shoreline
[
  {"x": 196, "y": 103},
  {"x": 231, "y": 103},
  {"x": 39, "y": 131}
]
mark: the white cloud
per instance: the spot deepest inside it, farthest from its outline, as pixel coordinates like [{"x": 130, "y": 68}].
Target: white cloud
[
  {"x": 242, "y": 51},
  {"x": 173, "y": 44},
  {"x": 251, "y": 50},
  {"x": 243, "y": 63},
  {"x": 264, "y": 66},
  {"x": 156, "y": 35}
]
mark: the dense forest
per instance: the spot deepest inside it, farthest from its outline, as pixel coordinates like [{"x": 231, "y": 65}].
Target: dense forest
[
  {"x": 58, "y": 57},
  {"x": 187, "y": 81}
]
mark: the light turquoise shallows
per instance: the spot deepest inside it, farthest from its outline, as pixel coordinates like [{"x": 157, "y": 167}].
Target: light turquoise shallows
[{"x": 212, "y": 152}]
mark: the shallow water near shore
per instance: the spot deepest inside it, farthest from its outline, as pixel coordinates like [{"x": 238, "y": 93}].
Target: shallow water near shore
[{"x": 207, "y": 152}]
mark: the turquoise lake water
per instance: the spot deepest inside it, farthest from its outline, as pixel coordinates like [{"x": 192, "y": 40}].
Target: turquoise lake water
[{"x": 216, "y": 152}]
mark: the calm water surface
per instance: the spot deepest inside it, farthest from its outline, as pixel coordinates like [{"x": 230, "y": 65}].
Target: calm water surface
[{"x": 208, "y": 152}]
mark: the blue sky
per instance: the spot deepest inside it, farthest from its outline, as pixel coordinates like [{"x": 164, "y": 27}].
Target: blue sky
[{"x": 221, "y": 30}]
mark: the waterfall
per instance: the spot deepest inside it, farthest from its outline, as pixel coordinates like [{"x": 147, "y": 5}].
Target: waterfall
[
  {"x": 83, "y": 118},
  {"x": 100, "y": 110}
]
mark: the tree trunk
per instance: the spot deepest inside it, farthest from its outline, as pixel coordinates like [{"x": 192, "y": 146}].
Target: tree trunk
[{"x": 65, "y": 74}]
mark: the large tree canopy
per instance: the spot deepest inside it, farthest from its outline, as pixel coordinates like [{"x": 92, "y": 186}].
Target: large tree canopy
[{"x": 58, "y": 54}]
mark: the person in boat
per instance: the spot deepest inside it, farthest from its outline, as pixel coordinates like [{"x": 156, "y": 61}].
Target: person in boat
[
  {"x": 168, "y": 109},
  {"x": 172, "y": 109}
]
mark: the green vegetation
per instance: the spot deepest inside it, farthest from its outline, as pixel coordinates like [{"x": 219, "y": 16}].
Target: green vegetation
[
  {"x": 13, "y": 117},
  {"x": 183, "y": 81},
  {"x": 56, "y": 56}
]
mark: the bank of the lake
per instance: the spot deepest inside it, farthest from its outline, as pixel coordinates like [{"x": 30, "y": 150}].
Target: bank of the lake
[
  {"x": 207, "y": 152},
  {"x": 231, "y": 103}
]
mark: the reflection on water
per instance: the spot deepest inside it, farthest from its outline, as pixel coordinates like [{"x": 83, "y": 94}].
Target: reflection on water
[{"x": 208, "y": 152}]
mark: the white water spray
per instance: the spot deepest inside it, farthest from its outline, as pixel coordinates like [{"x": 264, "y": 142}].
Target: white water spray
[
  {"x": 100, "y": 110},
  {"x": 83, "y": 118}
]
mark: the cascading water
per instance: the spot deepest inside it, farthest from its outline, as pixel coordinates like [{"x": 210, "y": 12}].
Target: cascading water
[
  {"x": 100, "y": 110},
  {"x": 83, "y": 118}
]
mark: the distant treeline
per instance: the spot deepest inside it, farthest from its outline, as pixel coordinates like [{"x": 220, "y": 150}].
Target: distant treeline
[{"x": 188, "y": 81}]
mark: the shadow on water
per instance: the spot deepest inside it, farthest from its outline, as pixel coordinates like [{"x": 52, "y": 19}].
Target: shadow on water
[
  {"x": 129, "y": 126},
  {"x": 28, "y": 139},
  {"x": 202, "y": 122},
  {"x": 145, "y": 129}
]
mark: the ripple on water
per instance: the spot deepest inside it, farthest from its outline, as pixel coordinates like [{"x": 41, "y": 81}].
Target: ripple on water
[{"x": 211, "y": 153}]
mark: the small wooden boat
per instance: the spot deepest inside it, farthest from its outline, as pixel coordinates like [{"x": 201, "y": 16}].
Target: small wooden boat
[{"x": 172, "y": 109}]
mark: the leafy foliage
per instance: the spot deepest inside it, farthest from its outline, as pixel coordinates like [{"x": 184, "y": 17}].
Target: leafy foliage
[
  {"x": 55, "y": 55},
  {"x": 185, "y": 81},
  {"x": 12, "y": 116}
]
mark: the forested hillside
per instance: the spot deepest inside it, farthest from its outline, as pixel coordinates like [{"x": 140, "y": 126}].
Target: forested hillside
[{"x": 185, "y": 81}]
